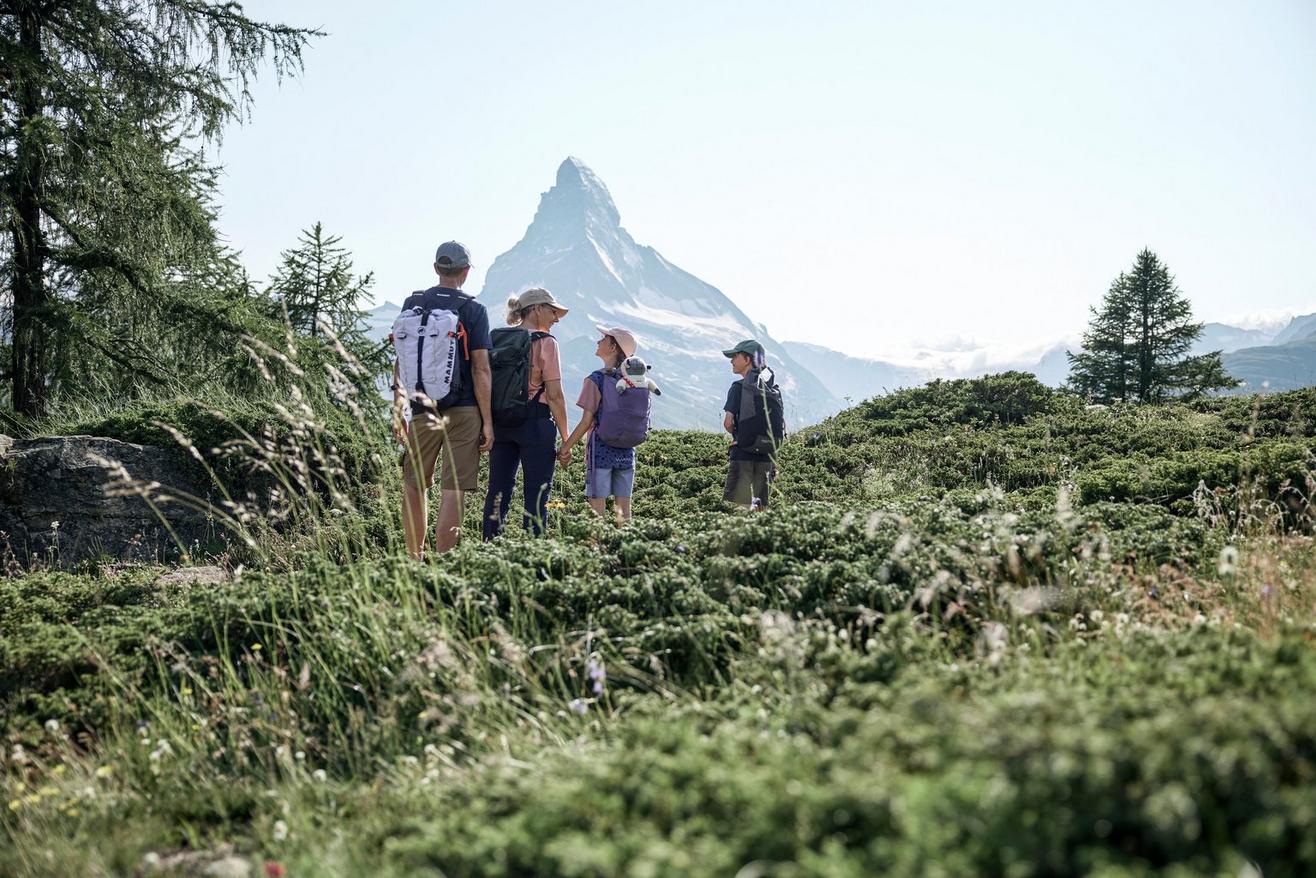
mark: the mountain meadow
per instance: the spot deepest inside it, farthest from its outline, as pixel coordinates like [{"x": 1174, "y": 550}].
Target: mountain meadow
[{"x": 983, "y": 629}]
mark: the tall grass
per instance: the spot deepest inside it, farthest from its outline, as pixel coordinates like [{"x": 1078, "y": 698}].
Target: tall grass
[{"x": 909, "y": 680}]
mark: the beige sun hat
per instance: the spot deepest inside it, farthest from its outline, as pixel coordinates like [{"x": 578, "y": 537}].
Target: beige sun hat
[
  {"x": 623, "y": 337},
  {"x": 535, "y": 296}
]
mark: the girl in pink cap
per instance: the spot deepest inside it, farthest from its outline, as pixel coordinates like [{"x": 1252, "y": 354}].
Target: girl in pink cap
[{"x": 609, "y": 471}]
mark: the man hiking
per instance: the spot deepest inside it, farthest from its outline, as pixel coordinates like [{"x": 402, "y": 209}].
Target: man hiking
[
  {"x": 442, "y": 372},
  {"x": 753, "y": 417}
]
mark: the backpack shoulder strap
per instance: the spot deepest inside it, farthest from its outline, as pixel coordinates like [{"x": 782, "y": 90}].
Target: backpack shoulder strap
[{"x": 598, "y": 378}]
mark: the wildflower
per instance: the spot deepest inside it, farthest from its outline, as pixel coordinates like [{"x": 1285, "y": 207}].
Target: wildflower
[
  {"x": 319, "y": 775},
  {"x": 1267, "y": 590},
  {"x": 280, "y": 830},
  {"x": 274, "y": 870},
  {"x": 902, "y": 546},
  {"x": 1228, "y": 562},
  {"x": 598, "y": 677},
  {"x": 105, "y": 771},
  {"x": 577, "y": 706},
  {"x": 993, "y": 638},
  {"x": 161, "y": 750},
  {"x": 1035, "y": 599},
  {"x": 52, "y": 726},
  {"x": 775, "y": 625}
]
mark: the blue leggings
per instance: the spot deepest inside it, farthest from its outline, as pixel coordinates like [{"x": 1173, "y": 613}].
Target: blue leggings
[{"x": 529, "y": 447}]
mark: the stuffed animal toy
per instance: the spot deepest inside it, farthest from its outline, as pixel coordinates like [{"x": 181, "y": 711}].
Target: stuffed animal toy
[{"x": 634, "y": 373}]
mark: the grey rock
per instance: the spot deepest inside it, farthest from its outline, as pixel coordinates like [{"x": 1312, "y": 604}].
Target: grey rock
[
  {"x": 189, "y": 576},
  {"x": 219, "y": 862},
  {"x": 229, "y": 867},
  {"x": 70, "y": 498}
]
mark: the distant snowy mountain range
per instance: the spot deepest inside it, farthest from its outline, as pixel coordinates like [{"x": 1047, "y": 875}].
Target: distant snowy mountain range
[{"x": 576, "y": 247}]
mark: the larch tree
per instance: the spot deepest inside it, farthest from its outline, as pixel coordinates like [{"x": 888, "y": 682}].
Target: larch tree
[{"x": 110, "y": 250}]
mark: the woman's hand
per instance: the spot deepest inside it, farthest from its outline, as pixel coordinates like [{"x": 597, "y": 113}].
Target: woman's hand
[{"x": 564, "y": 455}]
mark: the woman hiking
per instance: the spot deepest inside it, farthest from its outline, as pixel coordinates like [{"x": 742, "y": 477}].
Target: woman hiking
[
  {"x": 609, "y": 471},
  {"x": 529, "y": 445}
]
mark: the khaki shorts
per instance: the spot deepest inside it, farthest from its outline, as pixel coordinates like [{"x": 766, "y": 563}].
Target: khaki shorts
[
  {"x": 458, "y": 446},
  {"x": 749, "y": 481}
]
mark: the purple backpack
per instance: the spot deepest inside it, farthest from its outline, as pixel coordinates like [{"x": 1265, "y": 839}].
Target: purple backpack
[{"x": 622, "y": 420}]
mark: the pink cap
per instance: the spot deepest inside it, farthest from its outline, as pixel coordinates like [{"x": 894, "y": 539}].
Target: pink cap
[{"x": 624, "y": 339}]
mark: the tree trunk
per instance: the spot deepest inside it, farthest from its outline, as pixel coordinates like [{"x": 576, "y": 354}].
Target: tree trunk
[{"x": 30, "y": 354}]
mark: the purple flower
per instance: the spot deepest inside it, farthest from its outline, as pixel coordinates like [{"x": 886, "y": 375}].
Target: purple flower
[
  {"x": 1267, "y": 590},
  {"x": 575, "y": 705},
  {"x": 598, "y": 677}
]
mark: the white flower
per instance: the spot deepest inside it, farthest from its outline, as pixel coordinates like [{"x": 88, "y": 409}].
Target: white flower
[
  {"x": 1228, "y": 561},
  {"x": 280, "y": 830},
  {"x": 52, "y": 726},
  {"x": 319, "y": 775}
]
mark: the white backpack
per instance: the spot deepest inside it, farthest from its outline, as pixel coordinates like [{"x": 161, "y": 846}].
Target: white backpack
[{"x": 426, "y": 342}]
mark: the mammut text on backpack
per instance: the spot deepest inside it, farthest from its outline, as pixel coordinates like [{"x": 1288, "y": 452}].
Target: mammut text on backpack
[
  {"x": 760, "y": 424},
  {"x": 426, "y": 343},
  {"x": 509, "y": 361}
]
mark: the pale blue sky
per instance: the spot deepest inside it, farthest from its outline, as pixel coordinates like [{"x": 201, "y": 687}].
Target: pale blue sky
[{"x": 869, "y": 175}]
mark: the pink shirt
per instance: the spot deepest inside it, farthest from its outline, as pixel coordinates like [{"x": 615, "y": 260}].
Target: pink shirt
[
  {"x": 589, "y": 397},
  {"x": 544, "y": 364}
]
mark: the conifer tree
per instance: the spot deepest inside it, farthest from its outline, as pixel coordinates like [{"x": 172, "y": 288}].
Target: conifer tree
[
  {"x": 105, "y": 106},
  {"x": 315, "y": 283},
  {"x": 1136, "y": 346},
  {"x": 315, "y": 287},
  {"x": 1103, "y": 370}
]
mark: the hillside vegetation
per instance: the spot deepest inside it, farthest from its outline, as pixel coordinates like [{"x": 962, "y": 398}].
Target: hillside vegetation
[{"x": 983, "y": 630}]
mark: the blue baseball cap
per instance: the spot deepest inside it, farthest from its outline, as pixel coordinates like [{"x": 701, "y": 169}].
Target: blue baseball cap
[{"x": 452, "y": 256}]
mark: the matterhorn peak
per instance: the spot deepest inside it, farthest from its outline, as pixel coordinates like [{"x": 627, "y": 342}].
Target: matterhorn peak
[
  {"x": 577, "y": 248},
  {"x": 578, "y": 198}
]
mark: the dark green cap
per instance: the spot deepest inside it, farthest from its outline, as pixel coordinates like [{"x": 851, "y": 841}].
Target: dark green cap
[{"x": 748, "y": 346}]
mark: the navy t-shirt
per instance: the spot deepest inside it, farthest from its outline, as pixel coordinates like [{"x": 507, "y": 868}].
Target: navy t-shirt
[
  {"x": 733, "y": 406},
  {"x": 474, "y": 319}
]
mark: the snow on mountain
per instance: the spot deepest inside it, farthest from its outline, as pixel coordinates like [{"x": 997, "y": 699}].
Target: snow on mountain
[
  {"x": 854, "y": 378},
  {"x": 577, "y": 248}
]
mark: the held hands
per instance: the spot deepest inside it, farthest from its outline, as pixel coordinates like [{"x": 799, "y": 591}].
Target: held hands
[{"x": 564, "y": 455}]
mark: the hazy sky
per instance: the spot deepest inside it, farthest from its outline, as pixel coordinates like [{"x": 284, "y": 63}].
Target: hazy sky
[{"x": 870, "y": 176}]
